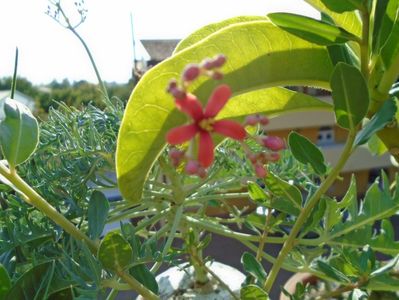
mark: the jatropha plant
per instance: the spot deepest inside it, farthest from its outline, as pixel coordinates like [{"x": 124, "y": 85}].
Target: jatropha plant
[{"x": 173, "y": 163}]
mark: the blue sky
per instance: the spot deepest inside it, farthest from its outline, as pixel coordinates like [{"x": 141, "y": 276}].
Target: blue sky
[{"x": 47, "y": 51}]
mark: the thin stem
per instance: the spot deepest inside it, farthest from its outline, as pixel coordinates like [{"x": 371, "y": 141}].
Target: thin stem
[
  {"x": 14, "y": 77},
  {"x": 93, "y": 63},
  {"x": 224, "y": 231},
  {"x": 263, "y": 238},
  {"x": 306, "y": 211},
  {"x": 171, "y": 236},
  {"x": 364, "y": 45},
  {"x": 216, "y": 197},
  {"x": 131, "y": 215},
  {"x": 135, "y": 285}
]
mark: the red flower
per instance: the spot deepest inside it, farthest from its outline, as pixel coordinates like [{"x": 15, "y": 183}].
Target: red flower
[{"x": 204, "y": 123}]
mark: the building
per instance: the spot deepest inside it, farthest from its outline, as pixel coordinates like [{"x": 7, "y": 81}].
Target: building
[{"x": 20, "y": 97}]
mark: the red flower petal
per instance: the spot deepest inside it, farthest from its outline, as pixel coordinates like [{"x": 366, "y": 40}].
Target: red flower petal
[
  {"x": 230, "y": 129},
  {"x": 205, "y": 151},
  {"x": 191, "y": 106},
  {"x": 217, "y": 100},
  {"x": 181, "y": 134}
]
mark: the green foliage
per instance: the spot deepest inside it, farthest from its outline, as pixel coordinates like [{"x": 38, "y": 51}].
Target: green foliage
[
  {"x": 306, "y": 152},
  {"x": 342, "y": 6},
  {"x": 75, "y": 155},
  {"x": 145, "y": 277},
  {"x": 19, "y": 133},
  {"x": 350, "y": 95},
  {"x": 115, "y": 253},
  {"x": 312, "y": 30},
  {"x": 384, "y": 116},
  {"x": 253, "y": 292},
  {"x": 253, "y": 267},
  {"x": 5, "y": 282},
  {"x": 97, "y": 214},
  {"x": 286, "y": 197}
]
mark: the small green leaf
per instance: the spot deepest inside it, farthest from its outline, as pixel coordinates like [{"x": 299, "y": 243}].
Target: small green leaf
[
  {"x": 306, "y": 152},
  {"x": 286, "y": 197},
  {"x": 367, "y": 260},
  {"x": 386, "y": 267},
  {"x": 332, "y": 272},
  {"x": 19, "y": 132},
  {"x": 5, "y": 282},
  {"x": 97, "y": 214},
  {"x": 253, "y": 267},
  {"x": 256, "y": 193},
  {"x": 145, "y": 277},
  {"x": 341, "y": 6},
  {"x": 115, "y": 253},
  {"x": 380, "y": 30},
  {"x": 28, "y": 286},
  {"x": 312, "y": 30},
  {"x": 376, "y": 146},
  {"x": 342, "y": 53},
  {"x": 384, "y": 116},
  {"x": 350, "y": 94},
  {"x": 253, "y": 292}
]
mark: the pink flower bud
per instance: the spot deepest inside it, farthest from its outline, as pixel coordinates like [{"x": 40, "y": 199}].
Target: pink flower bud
[
  {"x": 172, "y": 85},
  {"x": 263, "y": 120},
  {"x": 219, "y": 61},
  {"x": 178, "y": 93},
  {"x": 273, "y": 156},
  {"x": 217, "y": 75},
  {"x": 251, "y": 120},
  {"x": 191, "y": 72},
  {"x": 274, "y": 143},
  {"x": 260, "y": 171},
  {"x": 208, "y": 64},
  {"x": 192, "y": 167}
]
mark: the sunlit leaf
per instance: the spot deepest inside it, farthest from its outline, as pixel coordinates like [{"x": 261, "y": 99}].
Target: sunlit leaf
[{"x": 251, "y": 66}]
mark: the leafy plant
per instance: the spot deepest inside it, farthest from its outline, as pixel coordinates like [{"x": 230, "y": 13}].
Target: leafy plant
[{"x": 54, "y": 213}]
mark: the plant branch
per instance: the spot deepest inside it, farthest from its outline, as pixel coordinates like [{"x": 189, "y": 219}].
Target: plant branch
[{"x": 306, "y": 211}]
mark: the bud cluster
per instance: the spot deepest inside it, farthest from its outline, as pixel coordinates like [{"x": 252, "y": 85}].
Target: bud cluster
[
  {"x": 271, "y": 146},
  {"x": 193, "y": 167},
  {"x": 208, "y": 67}
]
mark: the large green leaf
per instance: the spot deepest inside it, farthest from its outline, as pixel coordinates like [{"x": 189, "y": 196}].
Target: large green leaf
[
  {"x": 207, "y": 30},
  {"x": 343, "y": 6},
  {"x": 350, "y": 94},
  {"x": 255, "y": 52},
  {"x": 312, "y": 30},
  {"x": 306, "y": 152},
  {"x": 115, "y": 253},
  {"x": 19, "y": 132},
  {"x": 350, "y": 21}
]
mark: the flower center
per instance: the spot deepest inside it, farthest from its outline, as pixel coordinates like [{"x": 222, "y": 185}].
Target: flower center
[{"x": 207, "y": 124}]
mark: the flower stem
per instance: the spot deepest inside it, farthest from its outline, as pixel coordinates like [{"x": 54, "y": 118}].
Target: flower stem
[
  {"x": 306, "y": 211},
  {"x": 263, "y": 238}
]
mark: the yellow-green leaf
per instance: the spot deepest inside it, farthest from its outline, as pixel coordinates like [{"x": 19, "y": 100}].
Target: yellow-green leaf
[
  {"x": 255, "y": 52},
  {"x": 115, "y": 253}
]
